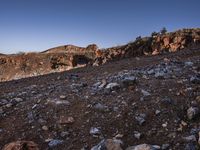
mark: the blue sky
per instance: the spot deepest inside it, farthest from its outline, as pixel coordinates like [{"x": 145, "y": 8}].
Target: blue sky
[{"x": 36, "y": 25}]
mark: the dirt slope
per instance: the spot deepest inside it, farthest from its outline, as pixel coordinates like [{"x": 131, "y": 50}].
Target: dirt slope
[{"x": 149, "y": 99}]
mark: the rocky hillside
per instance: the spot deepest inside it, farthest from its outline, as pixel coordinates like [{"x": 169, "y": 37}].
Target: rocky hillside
[
  {"x": 140, "y": 103},
  {"x": 53, "y": 60},
  {"x": 156, "y": 44},
  {"x": 69, "y": 56}
]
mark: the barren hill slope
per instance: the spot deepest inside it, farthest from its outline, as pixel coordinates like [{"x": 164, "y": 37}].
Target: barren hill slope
[{"x": 150, "y": 102}]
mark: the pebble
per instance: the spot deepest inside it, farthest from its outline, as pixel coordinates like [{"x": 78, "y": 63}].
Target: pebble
[
  {"x": 157, "y": 112},
  {"x": 103, "y": 84},
  {"x": 113, "y": 86},
  {"x": 18, "y": 99},
  {"x": 190, "y": 138},
  {"x": 195, "y": 79},
  {"x": 8, "y": 105},
  {"x": 141, "y": 118},
  {"x": 55, "y": 142},
  {"x": 129, "y": 81},
  {"x": 109, "y": 144},
  {"x": 137, "y": 135},
  {"x": 3, "y": 102},
  {"x": 1, "y": 111},
  {"x": 164, "y": 125},
  {"x": 192, "y": 112},
  {"x": 165, "y": 146},
  {"x": 60, "y": 102},
  {"x": 66, "y": 120},
  {"x": 190, "y": 146},
  {"x": 45, "y": 128},
  {"x": 100, "y": 107},
  {"x": 145, "y": 93},
  {"x": 63, "y": 97},
  {"x": 144, "y": 147},
  {"x": 159, "y": 75},
  {"x": 64, "y": 134},
  {"x": 166, "y": 101},
  {"x": 188, "y": 63},
  {"x": 199, "y": 139},
  {"x": 95, "y": 131}
]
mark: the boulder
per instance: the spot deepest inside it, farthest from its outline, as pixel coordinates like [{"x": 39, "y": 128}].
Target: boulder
[{"x": 21, "y": 145}]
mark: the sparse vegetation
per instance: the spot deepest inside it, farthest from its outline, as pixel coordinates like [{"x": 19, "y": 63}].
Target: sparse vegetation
[
  {"x": 154, "y": 34},
  {"x": 163, "y": 30}
]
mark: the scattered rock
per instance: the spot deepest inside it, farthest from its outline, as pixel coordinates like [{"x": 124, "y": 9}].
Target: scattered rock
[
  {"x": 63, "y": 97},
  {"x": 137, "y": 135},
  {"x": 3, "y": 102},
  {"x": 195, "y": 79},
  {"x": 199, "y": 138},
  {"x": 45, "y": 128},
  {"x": 109, "y": 144},
  {"x": 190, "y": 138},
  {"x": 159, "y": 75},
  {"x": 189, "y": 63},
  {"x": 66, "y": 120},
  {"x": 192, "y": 112},
  {"x": 113, "y": 86},
  {"x": 9, "y": 105},
  {"x": 141, "y": 118},
  {"x": 95, "y": 131},
  {"x": 157, "y": 112},
  {"x": 167, "y": 101},
  {"x": 103, "y": 84},
  {"x": 64, "y": 134},
  {"x": 54, "y": 143},
  {"x": 190, "y": 146},
  {"x": 18, "y": 99},
  {"x": 165, "y": 146},
  {"x": 144, "y": 147},
  {"x": 129, "y": 81},
  {"x": 145, "y": 93},
  {"x": 100, "y": 107},
  {"x": 1, "y": 111}
]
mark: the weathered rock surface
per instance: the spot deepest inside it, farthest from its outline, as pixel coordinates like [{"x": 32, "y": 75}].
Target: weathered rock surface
[{"x": 21, "y": 145}]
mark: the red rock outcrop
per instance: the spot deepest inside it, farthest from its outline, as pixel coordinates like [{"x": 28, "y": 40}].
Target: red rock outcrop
[{"x": 156, "y": 44}]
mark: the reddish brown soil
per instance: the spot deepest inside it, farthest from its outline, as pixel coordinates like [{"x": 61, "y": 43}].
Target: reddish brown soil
[{"x": 21, "y": 120}]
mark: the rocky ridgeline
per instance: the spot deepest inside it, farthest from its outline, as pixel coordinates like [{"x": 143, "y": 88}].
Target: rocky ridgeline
[
  {"x": 156, "y": 44},
  {"x": 68, "y": 57}
]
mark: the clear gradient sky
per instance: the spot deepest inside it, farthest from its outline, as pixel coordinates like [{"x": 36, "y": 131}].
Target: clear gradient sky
[{"x": 36, "y": 25}]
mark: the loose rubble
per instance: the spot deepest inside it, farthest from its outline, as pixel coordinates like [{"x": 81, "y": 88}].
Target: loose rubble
[{"x": 118, "y": 106}]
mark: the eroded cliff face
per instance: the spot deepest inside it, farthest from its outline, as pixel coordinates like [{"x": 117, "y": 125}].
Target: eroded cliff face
[
  {"x": 68, "y": 57},
  {"x": 156, "y": 44}
]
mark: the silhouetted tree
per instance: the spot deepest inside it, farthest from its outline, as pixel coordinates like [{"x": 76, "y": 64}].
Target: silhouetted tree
[
  {"x": 163, "y": 30},
  {"x": 154, "y": 33},
  {"x": 138, "y": 38}
]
